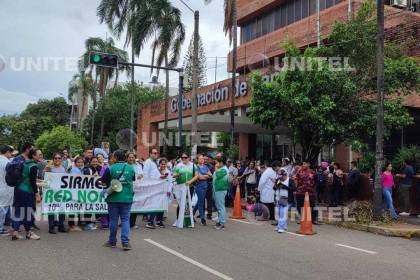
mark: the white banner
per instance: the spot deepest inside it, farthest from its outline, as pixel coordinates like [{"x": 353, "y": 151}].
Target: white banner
[{"x": 75, "y": 194}]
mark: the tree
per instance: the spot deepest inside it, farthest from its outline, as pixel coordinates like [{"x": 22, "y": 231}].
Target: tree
[
  {"x": 57, "y": 109},
  {"x": 82, "y": 84},
  {"x": 59, "y": 138},
  {"x": 115, "y": 110},
  {"x": 188, "y": 65},
  {"x": 231, "y": 28},
  {"x": 168, "y": 41}
]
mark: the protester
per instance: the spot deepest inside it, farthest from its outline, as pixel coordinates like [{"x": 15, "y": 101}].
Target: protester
[
  {"x": 87, "y": 155},
  {"x": 119, "y": 203},
  {"x": 288, "y": 166},
  {"x": 93, "y": 169},
  {"x": 209, "y": 192},
  {"x": 336, "y": 186},
  {"x": 320, "y": 184},
  {"x": 405, "y": 188},
  {"x": 284, "y": 188},
  {"x": 220, "y": 186},
  {"x": 250, "y": 174},
  {"x": 138, "y": 170},
  {"x": 26, "y": 196},
  {"x": 56, "y": 167},
  {"x": 102, "y": 164},
  {"x": 265, "y": 187},
  {"x": 185, "y": 173},
  {"x": 353, "y": 181},
  {"x": 305, "y": 183},
  {"x": 201, "y": 186},
  {"x": 76, "y": 170},
  {"x": 241, "y": 180},
  {"x": 150, "y": 171},
  {"x": 387, "y": 181},
  {"x": 6, "y": 192},
  {"x": 233, "y": 180},
  {"x": 66, "y": 161},
  {"x": 165, "y": 174}
]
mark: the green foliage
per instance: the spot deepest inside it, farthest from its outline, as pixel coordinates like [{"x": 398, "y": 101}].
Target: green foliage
[
  {"x": 233, "y": 152},
  {"x": 188, "y": 65},
  {"x": 362, "y": 212},
  {"x": 33, "y": 121},
  {"x": 411, "y": 153},
  {"x": 115, "y": 109},
  {"x": 367, "y": 162},
  {"x": 58, "y": 138}
]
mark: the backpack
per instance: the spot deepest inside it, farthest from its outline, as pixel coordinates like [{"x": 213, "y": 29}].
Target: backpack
[{"x": 14, "y": 170}]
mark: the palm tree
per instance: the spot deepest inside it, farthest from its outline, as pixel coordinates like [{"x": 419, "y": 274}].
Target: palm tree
[
  {"x": 81, "y": 84},
  {"x": 168, "y": 40},
  {"x": 97, "y": 44},
  {"x": 231, "y": 28}
]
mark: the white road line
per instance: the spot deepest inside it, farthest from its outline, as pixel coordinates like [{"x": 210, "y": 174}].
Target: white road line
[
  {"x": 191, "y": 261},
  {"x": 240, "y": 221},
  {"x": 295, "y": 234},
  {"x": 357, "y": 249}
]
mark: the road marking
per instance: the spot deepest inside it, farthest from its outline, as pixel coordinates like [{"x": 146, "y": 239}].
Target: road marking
[
  {"x": 357, "y": 249},
  {"x": 295, "y": 234},
  {"x": 191, "y": 261},
  {"x": 240, "y": 221}
]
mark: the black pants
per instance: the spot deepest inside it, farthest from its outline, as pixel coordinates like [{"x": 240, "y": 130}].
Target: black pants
[
  {"x": 209, "y": 200},
  {"x": 334, "y": 196},
  {"x": 133, "y": 219},
  {"x": 157, "y": 216},
  {"x": 270, "y": 207},
  {"x": 300, "y": 199},
  {"x": 72, "y": 220},
  {"x": 52, "y": 222}
]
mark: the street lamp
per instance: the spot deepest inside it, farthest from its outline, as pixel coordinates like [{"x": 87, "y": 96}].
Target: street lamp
[{"x": 194, "y": 82}]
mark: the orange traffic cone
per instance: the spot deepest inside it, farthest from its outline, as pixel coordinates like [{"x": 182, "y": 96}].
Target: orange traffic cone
[
  {"x": 306, "y": 222},
  {"x": 237, "y": 210}
]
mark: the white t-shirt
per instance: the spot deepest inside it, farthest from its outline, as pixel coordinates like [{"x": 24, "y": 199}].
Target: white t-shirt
[
  {"x": 6, "y": 192},
  {"x": 151, "y": 169}
]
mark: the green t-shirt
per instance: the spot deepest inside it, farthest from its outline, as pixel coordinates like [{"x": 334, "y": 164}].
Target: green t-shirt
[
  {"x": 25, "y": 185},
  {"x": 186, "y": 172},
  {"x": 127, "y": 193}
]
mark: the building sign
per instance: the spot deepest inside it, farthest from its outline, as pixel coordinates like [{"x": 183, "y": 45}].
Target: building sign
[{"x": 215, "y": 96}]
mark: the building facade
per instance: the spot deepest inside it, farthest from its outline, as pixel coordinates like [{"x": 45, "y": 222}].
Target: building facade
[{"x": 264, "y": 25}]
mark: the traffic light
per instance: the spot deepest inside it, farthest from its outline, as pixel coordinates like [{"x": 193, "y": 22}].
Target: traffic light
[{"x": 103, "y": 59}]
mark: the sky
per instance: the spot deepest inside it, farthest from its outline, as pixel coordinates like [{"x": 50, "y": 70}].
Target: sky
[{"x": 41, "y": 41}]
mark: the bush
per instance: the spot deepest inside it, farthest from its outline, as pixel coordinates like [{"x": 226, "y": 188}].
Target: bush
[
  {"x": 362, "y": 212},
  {"x": 59, "y": 138}
]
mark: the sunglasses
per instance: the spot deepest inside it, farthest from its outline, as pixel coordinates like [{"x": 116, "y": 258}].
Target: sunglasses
[
  {"x": 57, "y": 158},
  {"x": 184, "y": 157}
]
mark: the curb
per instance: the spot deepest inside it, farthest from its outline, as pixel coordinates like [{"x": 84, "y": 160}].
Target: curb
[{"x": 380, "y": 230}]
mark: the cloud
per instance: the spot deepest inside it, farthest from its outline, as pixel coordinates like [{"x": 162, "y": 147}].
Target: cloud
[{"x": 13, "y": 102}]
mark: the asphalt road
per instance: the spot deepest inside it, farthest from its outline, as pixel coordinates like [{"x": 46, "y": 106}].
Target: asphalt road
[{"x": 244, "y": 250}]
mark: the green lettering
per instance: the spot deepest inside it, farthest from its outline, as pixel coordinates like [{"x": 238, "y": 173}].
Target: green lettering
[
  {"x": 48, "y": 196},
  {"x": 81, "y": 196}
]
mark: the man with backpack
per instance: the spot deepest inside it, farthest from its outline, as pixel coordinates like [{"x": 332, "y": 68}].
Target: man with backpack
[{"x": 6, "y": 192}]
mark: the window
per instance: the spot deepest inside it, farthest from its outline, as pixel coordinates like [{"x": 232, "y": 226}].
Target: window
[{"x": 288, "y": 13}]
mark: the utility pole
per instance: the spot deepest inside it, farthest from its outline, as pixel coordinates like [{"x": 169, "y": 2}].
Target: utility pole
[
  {"x": 377, "y": 197},
  {"x": 132, "y": 99},
  {"x": 194, "y": 135},
  {"x": 318, "y": 25},
  {"x": 349, "y": 10},
  {"x": 234, "y": 57},
  {"x": 180, "y": 93}
]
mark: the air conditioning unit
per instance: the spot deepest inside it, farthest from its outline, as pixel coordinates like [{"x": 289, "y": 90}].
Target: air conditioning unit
[{"x": 399, "y": 3}]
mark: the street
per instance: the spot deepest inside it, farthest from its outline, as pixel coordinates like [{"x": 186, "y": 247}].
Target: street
[{"x": 244, "y": 250}]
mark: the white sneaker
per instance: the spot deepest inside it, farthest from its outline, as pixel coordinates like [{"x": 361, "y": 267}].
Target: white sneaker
[
  {"x": 174, "y": 224},
  {"x": 418, "y": 216},
  {"x": 404, "y": 214},
  {"x": 32, "y": 236},
  {"x": 280, "y": 230}
]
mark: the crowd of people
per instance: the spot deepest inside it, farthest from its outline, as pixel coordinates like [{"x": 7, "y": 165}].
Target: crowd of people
[{"x": 211, "y": 181}]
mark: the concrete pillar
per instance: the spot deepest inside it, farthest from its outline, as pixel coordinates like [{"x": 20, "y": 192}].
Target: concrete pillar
[{"x": 243, "y": 145}]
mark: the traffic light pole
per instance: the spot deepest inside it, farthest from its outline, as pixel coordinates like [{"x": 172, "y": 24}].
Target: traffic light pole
[{"x": 181, "y": 90}]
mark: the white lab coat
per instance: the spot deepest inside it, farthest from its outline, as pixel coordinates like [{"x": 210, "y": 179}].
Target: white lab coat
[
  {"x": 150, "y": 169},
  {"x": 6, "y": 192},
  {"x": 266, "y": 185}
]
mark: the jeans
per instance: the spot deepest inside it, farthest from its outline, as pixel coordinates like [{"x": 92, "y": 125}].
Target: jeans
[
  {"x": 387, "y": 194},
  {"x": 404, "y": 192},
  {"x": 53, "y": 222},
  {"x": 200, "y": 190},
  {"x": 219, "y": 198},
  {"x": 116, "y": 211},
  {"x": 23, "y": 210},
  {"x": 283, "y": 215},
  {"x": 3, "y": 213}
]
